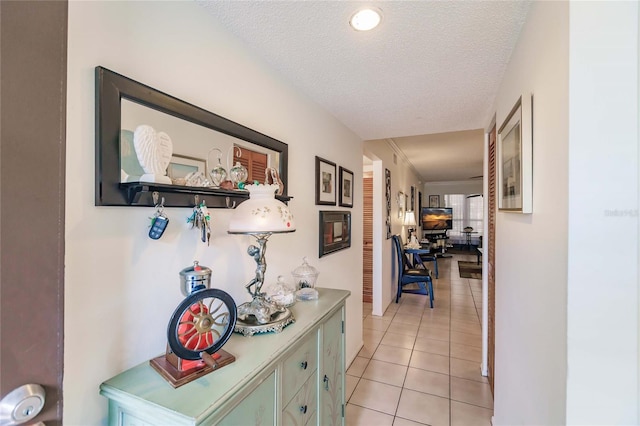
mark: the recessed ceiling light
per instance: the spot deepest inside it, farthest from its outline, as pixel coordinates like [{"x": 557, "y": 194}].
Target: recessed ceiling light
[{"x": 366, "y": 19}]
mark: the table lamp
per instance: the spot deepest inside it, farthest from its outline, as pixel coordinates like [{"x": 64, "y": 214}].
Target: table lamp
[
  {"x": 410, "y": 220},
  {"x": 261, "y": 216}
]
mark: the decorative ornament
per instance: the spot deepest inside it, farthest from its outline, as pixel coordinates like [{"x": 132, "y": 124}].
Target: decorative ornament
[
  {"x": 238, "y": 175},
  {"x": 154, "y": 150},
  {"x": 218, "y": 173}
]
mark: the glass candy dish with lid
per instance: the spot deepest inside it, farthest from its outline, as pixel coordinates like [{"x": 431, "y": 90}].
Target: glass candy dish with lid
[
  {"x": 282, "y": 293},
  {"x": 304, "y": 278}
]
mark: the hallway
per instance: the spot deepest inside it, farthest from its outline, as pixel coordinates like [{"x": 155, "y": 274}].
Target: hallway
[{"x": 420, "y": 365}]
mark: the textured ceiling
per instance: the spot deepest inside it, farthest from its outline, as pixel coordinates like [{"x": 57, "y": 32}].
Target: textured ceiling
[
  {"x": 450, "y": 156},
  {"x": 430, "y": 67}
]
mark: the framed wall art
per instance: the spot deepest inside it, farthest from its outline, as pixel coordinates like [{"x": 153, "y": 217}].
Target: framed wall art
[
  {"x": 419, "y": 203},
  {"x": 434, "y": 201},
  {"x": 387, "y": 180},
  {"x": 515, "y": 159},
  {"x": 400, "y": 200},
  {"x": 335, "y": 231},
  {"x": 181, "y": 165},
  {"x": 325, "y": 182},
  {"x": 346, "y": 187}
]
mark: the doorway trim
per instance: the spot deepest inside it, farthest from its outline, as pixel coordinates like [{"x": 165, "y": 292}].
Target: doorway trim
[
  {"x": 378, "y": 237},
  {"x": 484, "y": 368}
]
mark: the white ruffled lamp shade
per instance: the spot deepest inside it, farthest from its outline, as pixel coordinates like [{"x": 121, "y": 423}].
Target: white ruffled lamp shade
[
  {"x": 261, "y": 213},
  {"x": 409, "y": 218}
]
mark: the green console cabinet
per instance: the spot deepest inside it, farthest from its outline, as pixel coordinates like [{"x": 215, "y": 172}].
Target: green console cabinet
[
  {"x": 332, "y": 389},
  {"x": 295, "y": 377}
]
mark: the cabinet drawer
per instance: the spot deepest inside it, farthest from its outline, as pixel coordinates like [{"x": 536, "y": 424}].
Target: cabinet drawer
[
  {"x": 302, "y": 407},
  {"x": 298, "y": 366}
]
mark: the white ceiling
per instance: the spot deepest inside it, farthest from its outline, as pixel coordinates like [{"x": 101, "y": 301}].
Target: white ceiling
[
  {"x": 431, "y": 67},
  {"x": 444, "y": 157}
]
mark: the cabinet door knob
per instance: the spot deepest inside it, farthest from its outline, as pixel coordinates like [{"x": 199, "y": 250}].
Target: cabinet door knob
[
  {"x": 326, "y": 382},
  {"x": 303, "y": 409},
  {"x": 303, "y": 365}
]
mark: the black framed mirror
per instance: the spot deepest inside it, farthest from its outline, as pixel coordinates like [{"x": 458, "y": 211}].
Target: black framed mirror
[{"x": 122, "y": 104}]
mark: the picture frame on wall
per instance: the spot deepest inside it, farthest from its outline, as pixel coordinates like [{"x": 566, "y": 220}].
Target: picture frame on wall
[
  {"x": 346, "y": 187},
  {"x": 335, "y": 231},
  {"x": 515, "y": 159},
  {"x": 401, "y": 204},
  {"x": 434, "y": 201},
  {"x": 181, "y": 165},
  {"x": 387, "y": 180},
  {"x": 419, "y": 203},
  {"x": 325, "y": 182}
]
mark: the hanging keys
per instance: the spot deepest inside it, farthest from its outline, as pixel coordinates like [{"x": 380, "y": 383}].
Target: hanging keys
[
  {"x": 205, "y": 220},
  {"x": 201, "y": 219},
  {"x": 159, "y": 221}
]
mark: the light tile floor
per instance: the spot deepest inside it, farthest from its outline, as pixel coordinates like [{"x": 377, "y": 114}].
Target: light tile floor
[{"x": 421, "y": 366}]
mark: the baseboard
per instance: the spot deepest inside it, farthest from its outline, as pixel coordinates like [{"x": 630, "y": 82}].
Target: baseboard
[{"x": 348, "y": 364}]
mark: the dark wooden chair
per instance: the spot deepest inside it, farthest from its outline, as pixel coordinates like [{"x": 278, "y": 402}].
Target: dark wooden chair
[{"x": 407, "y": 275}]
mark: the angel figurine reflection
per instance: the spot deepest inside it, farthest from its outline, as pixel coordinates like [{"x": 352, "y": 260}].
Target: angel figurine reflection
[{"x": 154, "y": 150}]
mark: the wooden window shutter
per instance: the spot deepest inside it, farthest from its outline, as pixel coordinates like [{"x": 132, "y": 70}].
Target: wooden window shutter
[{"x": 254, "y": 162}]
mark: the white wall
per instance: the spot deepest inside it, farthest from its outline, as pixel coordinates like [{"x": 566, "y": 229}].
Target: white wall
[
  {"x": 566, "y": 336},
  {"x": 120, "y": 286},
  {"x": 453, "y": 187},
  {"x": 402, "y": 177},
  {"x": 531, "y": 250},
  {"x": 602, "y": 381}
]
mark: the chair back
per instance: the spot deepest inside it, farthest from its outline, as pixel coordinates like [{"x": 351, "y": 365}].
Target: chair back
[
  {"x": 398, "y": 252},
  {"x": 401, "y": 259}
]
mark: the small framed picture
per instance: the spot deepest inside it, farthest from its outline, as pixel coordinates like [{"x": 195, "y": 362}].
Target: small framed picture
[
  {"x": 335, "y": 231},
  {"x": 514, "y": 159},
  {"x": 346, "y": 187},
  {"x": 181, "y": 165},
  {"x": 400, "y": 200},
  {"x": 434, "y": 201},
  {"x": 325, "y": 182},
  {"x": 387, "y": 180}
]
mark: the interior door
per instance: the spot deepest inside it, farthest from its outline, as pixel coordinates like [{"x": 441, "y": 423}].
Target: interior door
[
  {"x": 367, "y": 242},
  {"x": 490, "y": 247},
  {"x": 32, "y": 170}
]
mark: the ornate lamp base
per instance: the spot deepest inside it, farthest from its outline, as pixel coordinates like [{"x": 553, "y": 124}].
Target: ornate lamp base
[{"x": 262, "y": 316}]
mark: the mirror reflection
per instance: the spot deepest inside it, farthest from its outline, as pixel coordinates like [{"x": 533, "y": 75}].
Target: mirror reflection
[
  {"x": 151, "y": 144},
  {"x": 196, "y": 150}
]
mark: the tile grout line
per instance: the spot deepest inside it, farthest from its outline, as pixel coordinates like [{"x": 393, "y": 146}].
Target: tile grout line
[{"x": 409, "y": 308}]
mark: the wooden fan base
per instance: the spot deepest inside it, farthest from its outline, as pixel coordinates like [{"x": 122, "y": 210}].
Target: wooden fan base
[{"x": 178, "y": 371}]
